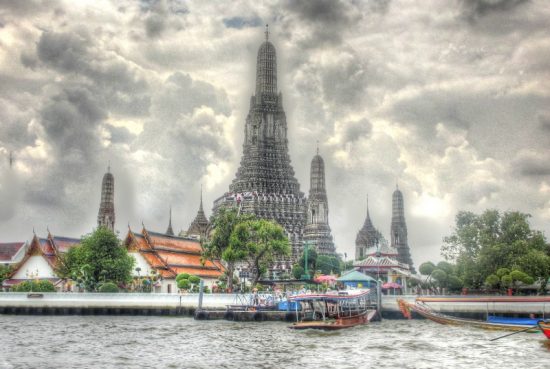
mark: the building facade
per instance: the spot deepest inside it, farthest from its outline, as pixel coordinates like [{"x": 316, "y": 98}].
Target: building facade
[{"x": 265, "y": 184}]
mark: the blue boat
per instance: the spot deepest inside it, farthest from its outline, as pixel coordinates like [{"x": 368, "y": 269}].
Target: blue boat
[{"x": 512, "y": 321}]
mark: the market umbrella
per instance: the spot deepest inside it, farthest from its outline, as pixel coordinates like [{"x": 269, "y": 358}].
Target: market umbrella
[
  {"x": 391, "y": 285},
  {"x": 325, "y": 279}
]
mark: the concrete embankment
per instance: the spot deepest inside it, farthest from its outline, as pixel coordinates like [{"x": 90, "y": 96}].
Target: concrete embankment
[{"x": 214, "y": 306}]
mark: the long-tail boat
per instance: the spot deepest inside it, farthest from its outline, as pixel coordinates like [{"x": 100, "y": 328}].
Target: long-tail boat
[
  {"x": 425, "y": 311},
  {"x": 333, "y": 311},
  {"x": 544, "y": 326}
]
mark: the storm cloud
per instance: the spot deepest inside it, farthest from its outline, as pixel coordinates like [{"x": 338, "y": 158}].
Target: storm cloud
[{"x": 449, "y": 100}]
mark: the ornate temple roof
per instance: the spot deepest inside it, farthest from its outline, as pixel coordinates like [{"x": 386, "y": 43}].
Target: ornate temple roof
[
  {"x": 9, "y": 250},
  {"x": 368, "y": 236},
  {"x": 199, "y": 225},
  {"x": 171, "y": 255}
]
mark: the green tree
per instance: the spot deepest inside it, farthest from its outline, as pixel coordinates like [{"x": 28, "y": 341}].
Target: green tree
[
  {"x": 426, "y": 268},
  {"x": 98, "y": 259},
  {"x": 108, "y": 287},
  {"x": 181, "y": 276},
  {"x": 259, "y": 243},
  {"x": 440, "y": 277},
  {"x": 184, "y": 284},
  {"x": 216, "y": 248},
  {"x": 5, "y": 271},
  {"x": 311, "y": 261},
  {"x": 482, "y": 244},
  {"x": 297, "y": 271},
  {"x": 493, "y": 281},
  {"x": 328, "y": 264}
]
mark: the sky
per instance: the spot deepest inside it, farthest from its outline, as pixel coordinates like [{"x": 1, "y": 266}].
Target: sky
[{"x": 448, "y": 99}]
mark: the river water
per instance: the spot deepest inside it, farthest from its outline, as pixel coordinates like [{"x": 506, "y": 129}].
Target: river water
[{"x": 181, "y": 342}]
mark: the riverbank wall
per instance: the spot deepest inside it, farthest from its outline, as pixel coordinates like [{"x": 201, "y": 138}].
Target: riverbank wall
[{"x": 214, "y": 306}]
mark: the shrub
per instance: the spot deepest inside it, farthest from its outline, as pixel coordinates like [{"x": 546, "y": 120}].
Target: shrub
[
  {"x": 182, "y": 276},
  {"x": 34, "y": 286},
  {"x": 492, "y": 281},
  {"x": 183, "y": 284},
  {"x": 194, "y": 279},
  {"x": 44, "y": 286},
  {"x": 108, "y": 287}
]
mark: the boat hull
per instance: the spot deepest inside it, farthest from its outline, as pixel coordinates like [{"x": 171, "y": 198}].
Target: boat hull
[
  {"x": 449, "y": 320},
  {"x": 544, "y": 327},
  {"x": 340, "y": 323}
]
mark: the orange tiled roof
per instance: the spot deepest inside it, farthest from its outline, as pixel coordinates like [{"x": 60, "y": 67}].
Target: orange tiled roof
[
  {"x": 175, "y": 243},
  {"x": 172, "y": 255},
  {"x": 198, "y": 272}
]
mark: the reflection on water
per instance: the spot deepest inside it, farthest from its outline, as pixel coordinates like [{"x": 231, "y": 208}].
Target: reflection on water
[{"x": 175, "y": 342}]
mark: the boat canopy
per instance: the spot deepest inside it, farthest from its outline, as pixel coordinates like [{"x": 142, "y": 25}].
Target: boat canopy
[{"x": 355, "y": 276}]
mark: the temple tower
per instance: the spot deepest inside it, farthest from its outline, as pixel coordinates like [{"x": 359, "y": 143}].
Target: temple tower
[
  {"x": 264, "y": 184},
  {"x": 399, "y": 230},
  {"x": 170, "y": 231},
  {"x": 368, "y": 237},
  {"x": 317, "y": 230},
  {"x": 199, "y": 226},
  {"x": 106, "y": 215}
]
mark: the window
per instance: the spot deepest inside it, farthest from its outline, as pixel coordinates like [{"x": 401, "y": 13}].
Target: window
[{"x": 169, "y": 288}]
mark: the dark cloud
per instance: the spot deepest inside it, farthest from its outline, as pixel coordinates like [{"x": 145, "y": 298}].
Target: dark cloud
[
  {"x": 181, "y": 94},
  {"x": 154, "y": 25},
  {"x": 474, "y": 9},
  {"x": 544, "y": 120},
  {"x": 356, "y": 130},
  {"x": 120, "y": 134},
  {"x": 531, "y": 164},
  {"x": 242, "y": 22},
  {"x": 327, "y": 19}
]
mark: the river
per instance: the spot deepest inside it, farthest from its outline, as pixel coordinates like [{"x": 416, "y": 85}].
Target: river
[{"x": 181, "y": 342}]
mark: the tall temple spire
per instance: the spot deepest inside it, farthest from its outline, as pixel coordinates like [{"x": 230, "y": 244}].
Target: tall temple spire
[
  {"x": 266, "y": 70},
  {"x": 199, "y": 225},
  {"x": 170, "y": 231},
  {"x": 367, "y": 237},
  {"x": 265, "y": 184},
  {"x": 317, "y": 229},
  {"x": 106, "y": 215},
  {"x": 399, "y": 229}
]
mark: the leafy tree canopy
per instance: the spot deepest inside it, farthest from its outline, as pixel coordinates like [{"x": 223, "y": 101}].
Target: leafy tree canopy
[
  {"x": 494, "y": 243},
  {"x": 258, "y": 242},
  {"x": 426, "y": 268},
  {"x": 218, "y": 245},
  {"x": 98, "y": 259}
]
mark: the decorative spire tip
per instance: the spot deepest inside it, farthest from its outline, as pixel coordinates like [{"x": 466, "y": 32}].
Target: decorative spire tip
[{"x": 267, "y": 32}]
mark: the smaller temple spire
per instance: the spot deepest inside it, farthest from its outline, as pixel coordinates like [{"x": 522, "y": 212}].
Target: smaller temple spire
[
  {"x": 170, "y": 231},
  {"x": 267, "y": 32}
]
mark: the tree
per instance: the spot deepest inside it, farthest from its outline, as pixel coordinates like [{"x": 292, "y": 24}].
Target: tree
[
  {"x": 483, "y": 244},
  {"x": 493, "y": 281},
  {"x": 5, "y": 271},
  {"x": 98, "y": 259},
  {"x": 108, "y": 287},
  {"x": 223, "y": 225},
  {"x": 440, "y": 277},
  {"x": 328, "y": 264},
  {"x": 259, "y": 242},
  {"x": 297, "y": 271},
  {"x": 426, "y": 268}
]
